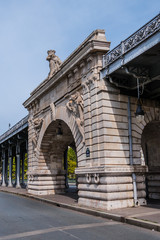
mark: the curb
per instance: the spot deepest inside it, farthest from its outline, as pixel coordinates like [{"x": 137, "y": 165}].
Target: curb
[
  {"x": 115, "y": 217},
  {"x": 144, "y": 224}
]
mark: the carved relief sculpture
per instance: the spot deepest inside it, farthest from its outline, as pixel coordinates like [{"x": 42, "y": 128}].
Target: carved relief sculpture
[
  {"x": 37, "y": 123},
  {"x": 75, "y": 106},
  {"x": 54, "y": 62}
]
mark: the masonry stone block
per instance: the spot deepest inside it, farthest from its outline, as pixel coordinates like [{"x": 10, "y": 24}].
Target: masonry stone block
[{"x": 89, "y": 113}]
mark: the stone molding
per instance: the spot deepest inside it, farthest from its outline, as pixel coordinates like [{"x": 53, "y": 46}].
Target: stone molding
[{"x": 110, "y": 169}]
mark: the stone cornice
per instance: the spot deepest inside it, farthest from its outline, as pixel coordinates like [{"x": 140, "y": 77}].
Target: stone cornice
[
  {"x": 112, "y": 169},
  {"x": 96, "y": 42}
]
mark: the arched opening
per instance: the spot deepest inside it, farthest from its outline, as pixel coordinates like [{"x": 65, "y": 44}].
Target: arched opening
[
  {"x": 70, "y": 163},
  {"x": 151, "y": 150},
  {"x": 58, "y": 152}
]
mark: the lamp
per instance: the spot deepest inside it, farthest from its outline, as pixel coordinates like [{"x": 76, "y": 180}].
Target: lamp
[
  {"x": 139, "y": 111},
  {"x": 59, "y": 130}
]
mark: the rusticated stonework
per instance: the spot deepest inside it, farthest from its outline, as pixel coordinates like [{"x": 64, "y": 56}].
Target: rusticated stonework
[{"x": 92, "y": 116}]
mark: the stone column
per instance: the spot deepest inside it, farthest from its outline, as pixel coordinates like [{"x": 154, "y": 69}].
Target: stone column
[
  {"x": 27, "y": 161},
  {"x": 6, "y": 168},
  {"x": 10, "y": 165},
  {"x": 23, "y": 166},
  {"x": 3, "y": 168},
  {"x": 23, "y": 157},
  {"x": 18, "y": 165}
]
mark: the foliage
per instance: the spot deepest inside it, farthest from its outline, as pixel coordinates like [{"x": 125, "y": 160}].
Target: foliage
[
  {"x": 14, "y": 168},
  {"x": 71, "y": 163},
  {"x": 25, "y": 166}
]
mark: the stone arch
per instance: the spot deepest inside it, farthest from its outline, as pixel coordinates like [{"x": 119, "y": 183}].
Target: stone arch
[
  {"x": 152, "y": 114},
  {"x": 150, "y": 144},
  {"x": 51, "y": 149},
  {"x": 147, "y": 135},
  {"x": 62, "y": 114},
  {"x": 146, "y": 131},
  {"x": 151, "y": 150}
]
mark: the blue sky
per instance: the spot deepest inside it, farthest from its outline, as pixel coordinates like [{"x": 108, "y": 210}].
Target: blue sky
[{"x": 30, "y": 27}]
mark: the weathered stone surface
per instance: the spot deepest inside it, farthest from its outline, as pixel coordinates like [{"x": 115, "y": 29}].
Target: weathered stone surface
[{"x": 90, "y": 114}]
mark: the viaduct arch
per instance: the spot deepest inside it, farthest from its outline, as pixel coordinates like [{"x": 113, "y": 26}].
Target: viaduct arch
[
  {"x": 49, "y": 153},
  {"x": 92, "y": 98}
]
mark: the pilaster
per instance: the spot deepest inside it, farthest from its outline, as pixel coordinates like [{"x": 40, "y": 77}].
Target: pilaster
[{"x": 10, "y": 165}]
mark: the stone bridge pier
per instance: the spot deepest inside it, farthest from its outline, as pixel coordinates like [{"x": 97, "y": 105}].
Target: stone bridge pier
[
  {"x": 83, "y": 103},
  {"x": 63, "y": 103}
]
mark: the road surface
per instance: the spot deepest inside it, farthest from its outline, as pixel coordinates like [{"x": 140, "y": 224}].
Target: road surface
[{"x": 24, "y": 218}]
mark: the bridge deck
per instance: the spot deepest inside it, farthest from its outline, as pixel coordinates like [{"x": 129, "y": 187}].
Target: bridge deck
[
  {"x": 18, "y": 127},
  {"x": 143, "y": 39}
]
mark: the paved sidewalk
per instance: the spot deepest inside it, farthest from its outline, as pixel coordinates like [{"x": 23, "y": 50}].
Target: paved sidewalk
[{"x": 144, "y": 216}]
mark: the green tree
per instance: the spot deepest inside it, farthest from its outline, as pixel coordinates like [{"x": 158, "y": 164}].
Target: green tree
[
  {"x": 71, "y": 162},
  {"x": 14, "y": 168},
  {"x": 25, "y": 166}
]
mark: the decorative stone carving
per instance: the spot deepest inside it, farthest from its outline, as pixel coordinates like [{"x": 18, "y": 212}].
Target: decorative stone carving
[
  {"x": 88, "y": 178},
  {"x": 96, "y": 178},
  {"x": 37, "y": 124},
  {"x": 75, "y": 106},
  {"x": 54, "y": 62},
  {"x": 85, "y": 85},
  {"x": 30, "y": 178},
  {"x": 53, "y": 111}
]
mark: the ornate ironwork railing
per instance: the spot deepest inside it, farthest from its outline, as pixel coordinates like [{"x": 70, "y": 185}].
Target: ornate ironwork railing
[
  {"x": 136, "y": 38},
  {"x": 23, "y": 123}
]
